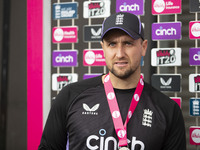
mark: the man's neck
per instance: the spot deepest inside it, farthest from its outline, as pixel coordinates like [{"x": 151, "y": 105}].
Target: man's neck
[{"x": 127, "y": 83}]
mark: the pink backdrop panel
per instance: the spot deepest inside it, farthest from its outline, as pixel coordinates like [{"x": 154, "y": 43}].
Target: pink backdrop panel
[{"x": 34, "y": 73}]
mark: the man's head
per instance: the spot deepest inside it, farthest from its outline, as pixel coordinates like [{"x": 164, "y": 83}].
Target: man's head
[
  {"x": 127, "y": 22},
  {"x": 123, "y": 44}
]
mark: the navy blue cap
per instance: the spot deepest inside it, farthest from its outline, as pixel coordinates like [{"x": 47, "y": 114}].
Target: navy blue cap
[{"x": 127, "y": 22}]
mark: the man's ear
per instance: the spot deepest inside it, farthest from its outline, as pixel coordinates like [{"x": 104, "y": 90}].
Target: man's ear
[
  {"x": 102, "y": 45},
  {"x": 144, "y": 47}
]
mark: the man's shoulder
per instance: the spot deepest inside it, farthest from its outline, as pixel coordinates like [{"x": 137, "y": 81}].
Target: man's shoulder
[
  {"x": 87, "y": 83},
  {"x": 80, "y": 86},
  {"x": 158, "y": 97},
  {"x": 162, "y": 103},
  {"x": 68, "y": 93}
]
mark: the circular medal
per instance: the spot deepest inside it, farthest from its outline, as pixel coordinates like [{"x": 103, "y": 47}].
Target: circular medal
[{"x": 124, "y": 148}]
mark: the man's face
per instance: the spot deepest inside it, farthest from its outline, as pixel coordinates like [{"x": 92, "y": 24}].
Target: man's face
[{"x": 123, "y": 53}]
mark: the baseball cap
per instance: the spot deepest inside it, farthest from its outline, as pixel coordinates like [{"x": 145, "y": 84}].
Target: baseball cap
[{"x": 127, "y": 22}]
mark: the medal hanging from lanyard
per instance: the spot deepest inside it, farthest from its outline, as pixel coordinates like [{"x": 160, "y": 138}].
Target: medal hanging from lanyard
[{"x": 120, "y": 129}]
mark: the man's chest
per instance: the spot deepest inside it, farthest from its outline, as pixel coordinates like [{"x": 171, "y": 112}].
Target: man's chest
[{"x": 90, "y": 122}]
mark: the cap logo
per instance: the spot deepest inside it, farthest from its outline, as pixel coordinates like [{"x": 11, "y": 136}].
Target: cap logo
[{"x": 119, "y": 19}]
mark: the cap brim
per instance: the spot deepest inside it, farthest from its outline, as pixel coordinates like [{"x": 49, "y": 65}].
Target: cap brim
[{"x": 134, "y": 35}]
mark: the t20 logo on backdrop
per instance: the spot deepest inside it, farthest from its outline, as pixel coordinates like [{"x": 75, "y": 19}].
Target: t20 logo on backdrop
[
  {"x": 166, "y": 7},
  {"x": 194, "y": 56},
  {"x": 166, "y": 31},
  {"x": 194, "y": 29},
  {"x": 64, "y": 58},
  {"x": 132, "y": 6},
  {"x": 93, "y": 57},
  {"x": 96, "y": 9},
  {"x": 65, "y": 10},
  {"x": 61, "y": 80},
  {"x": 166, "y": 57},
  {"x": 65, "y": 34},
  {"x": 194, "y": 82}
]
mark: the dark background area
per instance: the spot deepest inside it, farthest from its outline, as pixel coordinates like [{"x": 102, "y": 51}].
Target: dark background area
[{"x": 16, "y": 117}]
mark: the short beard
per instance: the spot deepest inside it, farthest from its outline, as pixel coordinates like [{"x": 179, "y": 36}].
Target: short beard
[{"x": 124, "y": 75}]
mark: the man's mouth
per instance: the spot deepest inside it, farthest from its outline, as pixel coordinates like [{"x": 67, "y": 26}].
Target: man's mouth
[{"x": 121, "y": 64}]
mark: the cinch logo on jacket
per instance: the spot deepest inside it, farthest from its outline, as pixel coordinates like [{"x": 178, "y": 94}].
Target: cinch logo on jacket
[{"x": 103, "y": 142}]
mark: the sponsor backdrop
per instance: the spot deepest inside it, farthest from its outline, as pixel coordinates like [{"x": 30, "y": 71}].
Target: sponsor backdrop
[
  {"x": 66, "y": 36},
  {"x": 194, "y": 78}
]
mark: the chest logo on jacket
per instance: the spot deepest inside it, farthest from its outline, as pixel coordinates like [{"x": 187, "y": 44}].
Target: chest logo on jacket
[
  {"x": 147, "y": 118},
  {"x": 90, "y": 111}
]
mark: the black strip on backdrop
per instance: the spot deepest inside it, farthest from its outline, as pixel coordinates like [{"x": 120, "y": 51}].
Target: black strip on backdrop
[{"x": 4, "y": 73}]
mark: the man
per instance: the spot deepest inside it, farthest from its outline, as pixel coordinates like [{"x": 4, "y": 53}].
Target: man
[{"x": 117, "y": 110}]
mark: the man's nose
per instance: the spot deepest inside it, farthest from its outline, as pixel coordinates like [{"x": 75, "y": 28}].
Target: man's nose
[{"x": 120, "y": 51}]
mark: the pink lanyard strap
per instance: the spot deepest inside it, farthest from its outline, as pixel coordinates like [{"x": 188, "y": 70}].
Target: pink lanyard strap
[{"x": 114, "y": 108}]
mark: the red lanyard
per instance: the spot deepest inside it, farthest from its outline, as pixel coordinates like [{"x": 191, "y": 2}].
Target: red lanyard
[{"x": 114, "y": 108}]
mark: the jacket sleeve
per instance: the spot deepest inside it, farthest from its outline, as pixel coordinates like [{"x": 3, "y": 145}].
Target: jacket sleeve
[
  {"x": 175, "y": 138},
  {"x": 54, "y": 136}
]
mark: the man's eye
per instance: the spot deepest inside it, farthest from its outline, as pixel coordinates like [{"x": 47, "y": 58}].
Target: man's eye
[
  {"x": 111, "y": 44},
  {"x": 128, "y": 43}
]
